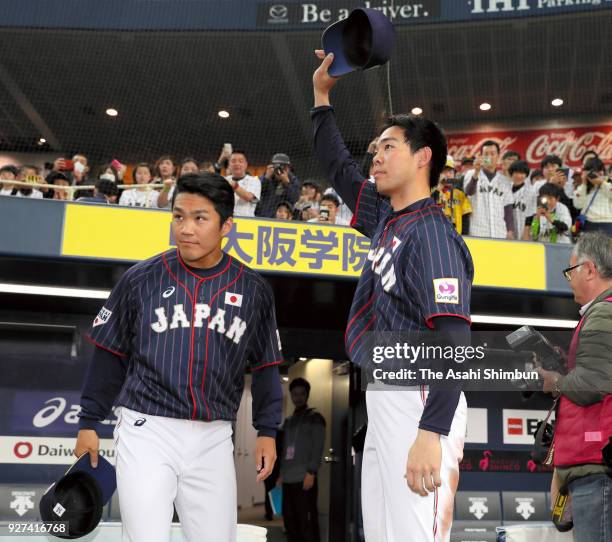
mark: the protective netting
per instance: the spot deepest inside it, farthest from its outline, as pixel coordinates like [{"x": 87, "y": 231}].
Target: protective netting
[{"x": 168, "y": 84}]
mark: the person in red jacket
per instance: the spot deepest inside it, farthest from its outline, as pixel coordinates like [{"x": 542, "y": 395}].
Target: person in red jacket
[{"x": 584, "y": 416}]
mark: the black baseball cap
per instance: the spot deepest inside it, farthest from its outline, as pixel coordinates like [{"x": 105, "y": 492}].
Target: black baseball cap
[
  {"x": 280, "y": 158},
  {"x": 79, "y": 496},
  {"x": 363, "y": 40}
]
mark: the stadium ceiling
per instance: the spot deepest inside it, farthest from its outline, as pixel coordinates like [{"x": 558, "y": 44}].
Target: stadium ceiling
[{"x": 169, "y": 86}]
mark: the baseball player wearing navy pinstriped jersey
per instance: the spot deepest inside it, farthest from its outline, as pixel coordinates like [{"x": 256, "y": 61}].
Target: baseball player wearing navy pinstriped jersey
[
  {"x": 418, "y": 276},
  {"x": 172, "y": 345}
]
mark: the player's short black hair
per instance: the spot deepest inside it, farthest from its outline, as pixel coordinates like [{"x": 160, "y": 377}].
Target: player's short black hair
[
  {"x": 590, "y": 153},
  {"x": 489, "y": 143},
  {"x": 300, "y": 383},
  {"x": 421, "y": 132},
  {"x": 510, "y": 154},
  {"x": 520, "y": 166},
  {"x": 551, "y": 159},
  {"x": 211, "y": 186},
  {"x": 536, "y": 173}
]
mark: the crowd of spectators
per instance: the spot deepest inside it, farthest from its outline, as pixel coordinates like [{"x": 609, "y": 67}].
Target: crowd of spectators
[
  {"x": 490, "y": 195},
  {"x": 500, "y": 196},
  {"x": 276, "y": 193}
]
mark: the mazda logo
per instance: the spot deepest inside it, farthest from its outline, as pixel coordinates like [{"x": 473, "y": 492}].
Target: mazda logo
[{"x": 279, "y": 12}]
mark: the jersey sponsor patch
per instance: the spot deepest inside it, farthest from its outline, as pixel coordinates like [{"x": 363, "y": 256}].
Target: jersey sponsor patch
[
  {"x": 103, "y": 317},
  {"x": 446, "y": 290},
  {"x": 233, "y": 299}
]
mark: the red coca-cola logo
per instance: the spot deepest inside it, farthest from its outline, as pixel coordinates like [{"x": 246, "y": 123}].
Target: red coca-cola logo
[{"x": 570, "y": 144}]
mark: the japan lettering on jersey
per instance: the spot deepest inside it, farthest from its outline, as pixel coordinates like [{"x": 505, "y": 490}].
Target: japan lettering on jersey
[
  {"x": 382, "y": 263},
  {"x": 187, "y": 335}
]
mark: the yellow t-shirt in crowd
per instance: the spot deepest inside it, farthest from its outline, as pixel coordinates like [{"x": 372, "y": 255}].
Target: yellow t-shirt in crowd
[{"x": 455, "y": 209}]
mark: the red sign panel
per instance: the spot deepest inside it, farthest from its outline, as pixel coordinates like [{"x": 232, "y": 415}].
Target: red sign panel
[{"x": 569, "y": 143}]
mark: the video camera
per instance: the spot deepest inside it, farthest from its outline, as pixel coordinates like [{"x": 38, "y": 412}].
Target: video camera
[{"x": 528, "y": 339}]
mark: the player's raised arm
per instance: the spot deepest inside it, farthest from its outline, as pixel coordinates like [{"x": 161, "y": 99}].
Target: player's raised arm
[{"x": 340, "y": 167}]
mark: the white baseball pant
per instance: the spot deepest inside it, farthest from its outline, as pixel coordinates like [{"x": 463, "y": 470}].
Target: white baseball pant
[
  {"x": 391, "y": 511},
  {"x": 164, "y": 461}
]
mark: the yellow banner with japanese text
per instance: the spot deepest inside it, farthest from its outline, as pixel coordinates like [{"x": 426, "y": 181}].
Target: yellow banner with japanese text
[{"x": 118, "y": 233}]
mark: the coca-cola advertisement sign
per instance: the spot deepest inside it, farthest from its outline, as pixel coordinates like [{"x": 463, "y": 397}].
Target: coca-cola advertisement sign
[{"x": 569, "y": 143}]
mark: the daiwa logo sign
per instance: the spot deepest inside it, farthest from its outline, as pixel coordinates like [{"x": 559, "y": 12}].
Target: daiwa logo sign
[{"x": 50, "y": 451}]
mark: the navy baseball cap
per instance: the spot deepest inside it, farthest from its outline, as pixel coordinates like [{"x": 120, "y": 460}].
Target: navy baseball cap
[
  {"x": 363, "y": 40},
  {"x": 79, "y": 496}
]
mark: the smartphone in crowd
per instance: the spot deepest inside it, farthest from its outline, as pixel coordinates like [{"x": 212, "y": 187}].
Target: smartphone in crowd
[{"x": 68, "y": 165}]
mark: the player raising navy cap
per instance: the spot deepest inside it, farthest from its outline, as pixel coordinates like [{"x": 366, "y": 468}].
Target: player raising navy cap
[
  {"x": 417, "y": 277},
  {"x": 173, "y": 342}
]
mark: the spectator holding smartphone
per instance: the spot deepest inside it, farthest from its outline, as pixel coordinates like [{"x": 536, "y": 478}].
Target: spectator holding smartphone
[
  {"x": 307, "y": 206},
  {"x": 594, "y": 198},
  {"x": 552, "y": 221},
  {"x": 491, "y": 196},
  {"x": 328, "y": 211}
]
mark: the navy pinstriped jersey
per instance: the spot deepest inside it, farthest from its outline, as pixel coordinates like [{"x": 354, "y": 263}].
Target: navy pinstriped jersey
[
  {"x": 187, "y": 334},
  {"x": 418, "y": 266}
]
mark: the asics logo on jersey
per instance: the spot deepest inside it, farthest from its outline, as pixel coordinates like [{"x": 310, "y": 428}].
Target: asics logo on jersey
[
  {"x": 139, "y": 422},
  {"x": 202, "y": 312},
  {"x": 168, "y": 292}
]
